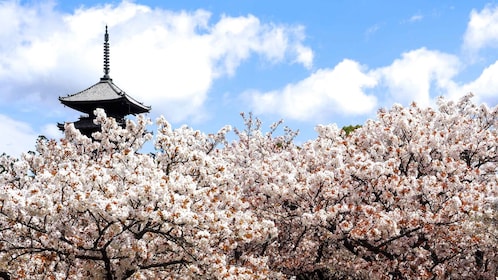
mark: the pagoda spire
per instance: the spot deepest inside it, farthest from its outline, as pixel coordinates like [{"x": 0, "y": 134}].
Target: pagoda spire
[{"x": 106, "y": 56}]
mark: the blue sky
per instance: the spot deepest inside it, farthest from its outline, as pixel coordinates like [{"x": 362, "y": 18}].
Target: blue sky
[{"x": 201, "y": 63}]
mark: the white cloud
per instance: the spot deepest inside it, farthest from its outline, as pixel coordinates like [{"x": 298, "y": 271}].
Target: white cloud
[
  {"x": 17, "y": 137},
  {"x": 484, "y": 87},
  {"x": 373, "y": 29},
  {"x": 337, "y": 91},
  {"x": 304, "y": 55},
  {"x": 232, "y": 40},
  {"x": 416, "y": 17},
  {"x": 417, "y": 74},
  {"x": 482, "y": 29},
  {"x": 165, "y": 59},
  {"x": 51, "y": 131}
]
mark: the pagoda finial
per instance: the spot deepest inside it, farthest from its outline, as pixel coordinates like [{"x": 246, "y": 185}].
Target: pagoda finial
[{"x": 106, "y": 55}]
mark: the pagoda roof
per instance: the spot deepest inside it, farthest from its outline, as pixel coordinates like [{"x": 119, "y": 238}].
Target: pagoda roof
[{"x": 104, "y": 94}]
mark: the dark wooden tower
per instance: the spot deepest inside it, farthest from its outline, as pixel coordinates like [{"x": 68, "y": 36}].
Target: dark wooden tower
[{"x": 104, "y": 94}]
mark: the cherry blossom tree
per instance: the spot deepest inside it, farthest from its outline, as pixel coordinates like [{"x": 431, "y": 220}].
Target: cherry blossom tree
[
  {"x": 404, "y": 196},
  {"x": 83, "y": 209},
  {"x": 410, "y": 195}
]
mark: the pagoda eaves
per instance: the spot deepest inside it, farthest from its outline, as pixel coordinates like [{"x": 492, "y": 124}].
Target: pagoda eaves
[{"x": 104, "y": 94}]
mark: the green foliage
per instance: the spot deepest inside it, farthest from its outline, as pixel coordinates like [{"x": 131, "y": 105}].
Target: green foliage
[{"x": 350, "y": 128}]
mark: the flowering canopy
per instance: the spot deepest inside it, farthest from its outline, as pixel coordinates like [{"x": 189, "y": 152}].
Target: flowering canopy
[{"x": 411, "y": 195}]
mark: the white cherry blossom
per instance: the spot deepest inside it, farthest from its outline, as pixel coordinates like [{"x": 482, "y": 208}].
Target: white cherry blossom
[{"x": 409, "y": 195}]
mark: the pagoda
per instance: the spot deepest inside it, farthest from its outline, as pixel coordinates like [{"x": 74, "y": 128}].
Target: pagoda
[{"x": 104, "y": 94}]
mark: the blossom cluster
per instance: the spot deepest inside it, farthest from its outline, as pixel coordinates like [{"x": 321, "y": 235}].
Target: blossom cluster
[{"x": 410, "y": 195}]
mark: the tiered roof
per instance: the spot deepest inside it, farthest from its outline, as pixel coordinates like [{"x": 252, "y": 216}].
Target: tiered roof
[{"x": 104, "y": 94}]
